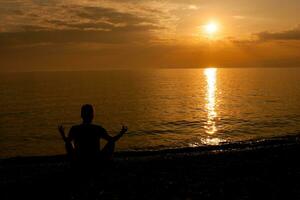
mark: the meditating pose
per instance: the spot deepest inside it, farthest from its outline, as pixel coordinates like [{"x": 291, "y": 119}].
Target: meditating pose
[{"x": 83, "y": 142}]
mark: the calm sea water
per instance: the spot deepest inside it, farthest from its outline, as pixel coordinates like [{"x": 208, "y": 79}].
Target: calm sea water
[{"x": 164, "y": 108}]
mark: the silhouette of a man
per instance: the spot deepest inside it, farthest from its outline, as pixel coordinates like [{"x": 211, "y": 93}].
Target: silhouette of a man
[{"x": 83, "y": 141}]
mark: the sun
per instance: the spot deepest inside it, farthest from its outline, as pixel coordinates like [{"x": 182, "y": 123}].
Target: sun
[{"x": 211, "y": 28}]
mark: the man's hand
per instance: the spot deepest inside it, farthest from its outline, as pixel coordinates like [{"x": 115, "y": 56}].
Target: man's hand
[{"x": 124, "y": 129}]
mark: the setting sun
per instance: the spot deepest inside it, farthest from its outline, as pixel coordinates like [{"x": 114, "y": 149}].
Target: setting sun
[{"x": 211, "y": 28}]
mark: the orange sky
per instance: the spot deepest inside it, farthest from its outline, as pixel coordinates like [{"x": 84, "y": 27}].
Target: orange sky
[{"x": 90, "y": 34}]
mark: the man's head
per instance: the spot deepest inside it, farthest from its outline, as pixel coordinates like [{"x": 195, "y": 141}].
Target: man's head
[{"x": 87, "y": 113}]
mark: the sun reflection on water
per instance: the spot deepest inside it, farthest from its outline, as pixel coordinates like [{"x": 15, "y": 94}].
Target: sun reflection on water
[{"x": 211, "y": 78}]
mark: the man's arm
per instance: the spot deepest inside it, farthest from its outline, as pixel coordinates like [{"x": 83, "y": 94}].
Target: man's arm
[
  {"x": 68, "y": 145},
  {"x": 61, "y": 130},
  {"x": 115, "y": 138}
]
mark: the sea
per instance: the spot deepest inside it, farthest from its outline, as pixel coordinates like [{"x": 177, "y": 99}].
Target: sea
[{"x": 163, "y": 108}]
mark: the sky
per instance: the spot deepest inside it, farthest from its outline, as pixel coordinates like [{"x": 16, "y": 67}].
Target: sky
[{"x": 38, "y": 35}]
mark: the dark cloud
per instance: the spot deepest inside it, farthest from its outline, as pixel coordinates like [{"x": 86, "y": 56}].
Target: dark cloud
[
  {"x": 107, "y": 19},
  {"x": 71, "y": 36},
  {"x": 57, "y": 15},
  {"x": 113, "y": 15},
  {"x": 84, "y": 24},
  {"x": 293, "y": 34}
]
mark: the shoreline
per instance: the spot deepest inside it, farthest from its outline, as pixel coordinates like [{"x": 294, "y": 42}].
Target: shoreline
[
  {"x": 264, "y": 169},
  {"x": 248, "y": 145}
]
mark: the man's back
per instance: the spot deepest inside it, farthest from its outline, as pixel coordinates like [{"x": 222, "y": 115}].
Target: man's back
[{"x": 86, "y": 139}]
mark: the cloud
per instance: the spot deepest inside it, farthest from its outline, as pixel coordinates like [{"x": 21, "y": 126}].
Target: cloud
[
  {"x": 293, "y": 34},
  {"x": 18, "y": 16},
  {"x": 38, "y": 22},
  {"x": 21, "y": 39},
  {"x": 288, "y": 37},
  {"x": 193, "y": 7}
]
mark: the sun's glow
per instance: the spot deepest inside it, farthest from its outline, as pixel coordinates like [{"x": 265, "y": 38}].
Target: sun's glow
[{"x": 211, "y": 28}]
